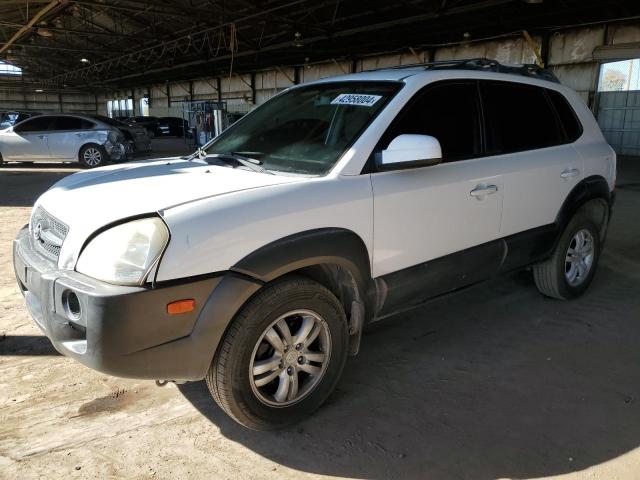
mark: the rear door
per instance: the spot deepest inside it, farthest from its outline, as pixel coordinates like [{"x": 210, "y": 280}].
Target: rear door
[
  {"x": 539, "y": 165},
  {"x": 67, "y": 134},
  {"x": 427, "y": 213},
  {"x": 28, "y": 141}
]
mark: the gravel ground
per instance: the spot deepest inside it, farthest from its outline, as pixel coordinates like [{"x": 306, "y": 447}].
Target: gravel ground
[{"x": 494, "y": 382}]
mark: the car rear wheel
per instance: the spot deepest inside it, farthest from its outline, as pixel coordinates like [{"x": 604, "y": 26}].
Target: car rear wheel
[
  {"x": 570, "y": 270},
  {"x": 282, "y": 356},
  {"x": 92, "y": 156}
]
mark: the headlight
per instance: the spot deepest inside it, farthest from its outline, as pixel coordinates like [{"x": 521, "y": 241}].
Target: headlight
[{"x": 124, "y": 254}]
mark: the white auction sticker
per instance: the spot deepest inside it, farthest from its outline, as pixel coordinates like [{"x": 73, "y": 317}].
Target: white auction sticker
[{"x": 357, "y": 99}]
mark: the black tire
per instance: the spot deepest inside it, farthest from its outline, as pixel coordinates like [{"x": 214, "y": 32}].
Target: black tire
[
  {"x": 228, "y": 377},
  {"x": 550, "y": 277},
  {"x": 86, "y": 164},
  {"x": 2, "y": 164}
]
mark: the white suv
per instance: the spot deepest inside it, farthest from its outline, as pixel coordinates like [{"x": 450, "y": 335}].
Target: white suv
[{"x": 256, "y": 262}]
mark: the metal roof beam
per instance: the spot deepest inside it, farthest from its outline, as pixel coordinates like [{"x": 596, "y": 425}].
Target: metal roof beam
[{"x": 35, "y": 19}]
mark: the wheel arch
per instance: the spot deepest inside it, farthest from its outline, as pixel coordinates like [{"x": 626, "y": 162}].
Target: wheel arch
[
  {"x": 88, "y": 144},
  {"x": 335, "y": 257},
  {"x": 592, "y": 196}
]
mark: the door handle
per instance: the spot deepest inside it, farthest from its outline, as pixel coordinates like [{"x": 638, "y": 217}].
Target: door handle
[
  {"x": 570, "y": 173},
  {"x": 482, "y": 190}
]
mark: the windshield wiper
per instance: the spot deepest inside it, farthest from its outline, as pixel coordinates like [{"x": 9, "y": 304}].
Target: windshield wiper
[{"x": 250, "y": 163}]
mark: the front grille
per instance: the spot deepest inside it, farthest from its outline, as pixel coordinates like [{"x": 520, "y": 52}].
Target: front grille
[{"x": 47, "y": 233}]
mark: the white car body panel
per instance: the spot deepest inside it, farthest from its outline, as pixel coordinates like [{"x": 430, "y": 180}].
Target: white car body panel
[
  {"x": 422, "y": 214},
  {"x": 534, "y": 186},
  {"x": 218, "y": 215},
  {"x": 89, "y": 200},
  {"x": 13, "y": 146},
  {"x": 66, "y": 144},
  {"x": 240, "y": 223}
]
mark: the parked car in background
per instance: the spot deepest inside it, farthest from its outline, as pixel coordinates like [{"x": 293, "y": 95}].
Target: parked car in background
[
  {"x": 150, "y": 123},
  {"x": 64, "y": 138},
  {"x": 137, "y": 134},
  {"x": 173, "y": 127},
  {"x": 9, "y": 119}
]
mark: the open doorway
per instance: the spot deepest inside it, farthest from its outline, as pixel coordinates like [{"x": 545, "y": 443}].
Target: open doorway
[
  {"x": 618, "y": 109},
  {"x": 144, "y": 107}
]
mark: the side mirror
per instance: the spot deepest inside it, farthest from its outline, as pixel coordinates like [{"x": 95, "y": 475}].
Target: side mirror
[{"x": 410, "y": 151}]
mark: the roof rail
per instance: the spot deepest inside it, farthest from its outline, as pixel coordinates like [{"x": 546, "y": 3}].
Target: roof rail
[{"x": 486, "y": 65}]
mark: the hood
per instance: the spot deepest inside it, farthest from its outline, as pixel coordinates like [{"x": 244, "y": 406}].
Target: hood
[{"x": 89, "y": 200}]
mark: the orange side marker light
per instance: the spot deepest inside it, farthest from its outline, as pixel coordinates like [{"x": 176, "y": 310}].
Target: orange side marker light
[{"x": 181, "y": 306}]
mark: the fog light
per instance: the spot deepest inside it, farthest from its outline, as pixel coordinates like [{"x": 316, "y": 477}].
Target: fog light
[{"x": 71, "y": 304}]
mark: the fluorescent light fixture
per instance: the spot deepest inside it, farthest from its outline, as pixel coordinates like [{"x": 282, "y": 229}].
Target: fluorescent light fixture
[{"x": 39, "y": 90}]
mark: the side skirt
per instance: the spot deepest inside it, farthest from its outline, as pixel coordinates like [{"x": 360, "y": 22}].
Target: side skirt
[{"x": 412, "y": 287}]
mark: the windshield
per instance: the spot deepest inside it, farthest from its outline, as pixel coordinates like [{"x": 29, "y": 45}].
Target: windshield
[{"x": 305, "y": 130}]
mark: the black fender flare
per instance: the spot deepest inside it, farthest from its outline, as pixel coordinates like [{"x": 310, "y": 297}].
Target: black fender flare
[
  {"x": 323, "y": 247},
  {"x": 590, "y": 188},
  {"x": 320, "y": 246}
]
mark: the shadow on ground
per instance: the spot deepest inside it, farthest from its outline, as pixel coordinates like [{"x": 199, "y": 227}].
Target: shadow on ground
[
  {"x": 494, "y": 382},
  {"x": 22, "y": 184},
  {"x": 27, "y": 345}
]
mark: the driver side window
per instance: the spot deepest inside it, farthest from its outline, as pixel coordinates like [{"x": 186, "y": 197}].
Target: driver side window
[{"x": 449, "y": 112}]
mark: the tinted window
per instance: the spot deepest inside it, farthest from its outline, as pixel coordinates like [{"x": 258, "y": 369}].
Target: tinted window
[
  {"x": 71, "y": 123},
  {"x": 448, "y": 112},
  {"x": 567, "y": 116},
  {"x": 37, "y": 124},
  {"x": 518, "y": 117}
]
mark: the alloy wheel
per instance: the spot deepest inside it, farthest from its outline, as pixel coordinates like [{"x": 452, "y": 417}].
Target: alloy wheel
[
  {"x": 579, "y": 258},
  {"x": 92, "y": 157},
  {"x": 290, "y": 358}
]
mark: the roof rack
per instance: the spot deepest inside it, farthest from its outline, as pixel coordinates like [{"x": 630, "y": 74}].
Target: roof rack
[{"x": 487, "y": 65}]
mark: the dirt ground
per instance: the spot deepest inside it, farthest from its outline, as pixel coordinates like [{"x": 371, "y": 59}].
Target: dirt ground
[{"x": 494, "y": 382}]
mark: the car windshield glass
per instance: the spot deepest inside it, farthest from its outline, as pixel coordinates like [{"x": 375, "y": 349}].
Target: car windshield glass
[
  {"x": 305, "y": 130},
  {"x": 109, "y": 121}
]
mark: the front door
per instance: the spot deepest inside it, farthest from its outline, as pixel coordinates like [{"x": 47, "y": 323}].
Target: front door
[
  {"x": 437, "y": 212},
  {"x": 28, "y": 141}
]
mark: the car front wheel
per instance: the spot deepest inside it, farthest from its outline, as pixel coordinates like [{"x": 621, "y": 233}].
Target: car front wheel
[{"x": 282, "y": 356}]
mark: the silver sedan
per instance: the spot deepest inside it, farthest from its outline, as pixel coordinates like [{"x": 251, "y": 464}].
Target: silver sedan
[{"x": 65, "y": 138}]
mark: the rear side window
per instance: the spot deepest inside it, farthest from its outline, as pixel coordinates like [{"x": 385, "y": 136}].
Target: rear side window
[
  {"x": 66, "y": 123},
  {"x": 450, "y": 113},
  {"x": 566, "y": 115},
  {"x": 518, "y": 117}
]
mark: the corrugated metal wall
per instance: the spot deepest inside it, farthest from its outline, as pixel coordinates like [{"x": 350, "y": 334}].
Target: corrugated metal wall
[{"x": 619, "y": 119}]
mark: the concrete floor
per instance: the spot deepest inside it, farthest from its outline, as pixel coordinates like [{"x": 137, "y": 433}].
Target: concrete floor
[{"x": 494, "y": 382}]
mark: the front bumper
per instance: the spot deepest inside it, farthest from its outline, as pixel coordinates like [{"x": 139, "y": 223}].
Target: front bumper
[{"x": 126, "y": 331}]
